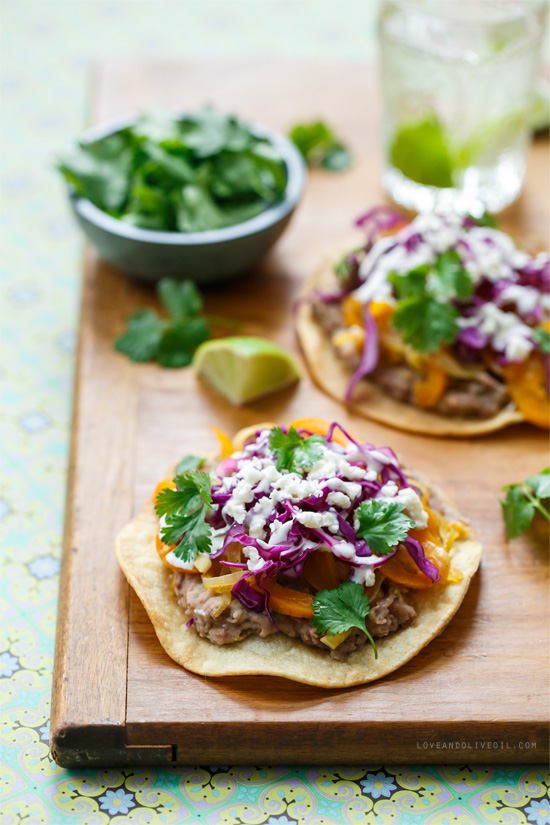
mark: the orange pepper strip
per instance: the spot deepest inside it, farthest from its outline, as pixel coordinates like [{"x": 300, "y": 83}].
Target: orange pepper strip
[
  {"x": 382, "y": 314},
  {"x": 527, "y": 386},
  {"x": 320, "y": 427},
  {"x": 320, "y": 570},
  {"x": 226, "y": 445},
  {"x": 401, "y": 569},
  {"x": 167, "y": 484},
  {"x": 287, "y": 601},
  {"x": 429, "y": 389},
  {"x": 392, "y": 230},
  {"x": 352, "y": 310}
]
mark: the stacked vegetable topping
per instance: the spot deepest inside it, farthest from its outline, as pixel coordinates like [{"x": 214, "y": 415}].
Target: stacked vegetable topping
[
  {"x": 307, "y": 526},
  {"x": 445, "y": 313}
]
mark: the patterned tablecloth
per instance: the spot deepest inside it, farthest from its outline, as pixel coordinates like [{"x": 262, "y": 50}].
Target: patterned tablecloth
[{"x": 46, "y": 51}]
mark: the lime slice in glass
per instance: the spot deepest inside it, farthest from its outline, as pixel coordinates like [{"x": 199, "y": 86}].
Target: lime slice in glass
[{"x": 244, "y": 368}]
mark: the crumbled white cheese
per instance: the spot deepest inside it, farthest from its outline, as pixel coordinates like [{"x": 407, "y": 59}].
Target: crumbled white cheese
[
  {"x": 526, "y": 298},
  {"x": 345, "y": 550},
  {"x": 349, "y": 488},
  {"x": 506, "y": 330},
  {"x": 364, "y": 575},
  {"x": 410, "y": 500},
  {"x": 317, "y": 520},
  {"x": 331, "y": 464},
  {"x": 279, "y": 532},
  {"x": 389, "y": 489},
  {"x": 254, "y": 560},
  {"x": 413, "y": 506},
  {"x": 339, "y": 500}
]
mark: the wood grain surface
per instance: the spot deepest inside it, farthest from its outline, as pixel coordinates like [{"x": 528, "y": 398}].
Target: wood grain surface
[{"x": 477, "y": 693}]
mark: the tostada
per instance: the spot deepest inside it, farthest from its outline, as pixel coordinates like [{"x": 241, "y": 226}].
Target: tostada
[
  {"x": 300, "y": 552},
  {"x": 435, "y": 325}
]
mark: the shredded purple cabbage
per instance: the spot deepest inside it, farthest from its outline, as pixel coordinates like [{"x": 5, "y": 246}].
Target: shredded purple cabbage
[{"x": 369, "y": 356}]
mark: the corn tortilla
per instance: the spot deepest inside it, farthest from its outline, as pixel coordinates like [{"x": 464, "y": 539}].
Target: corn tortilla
[
  {"x": 279, "y": 655},
  {"x": 370, "y": 400}
]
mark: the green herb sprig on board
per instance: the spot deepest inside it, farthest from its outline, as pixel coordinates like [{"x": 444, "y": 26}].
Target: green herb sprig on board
[
  {"x": 171, "y": 342},
  {"x": 523, "y": 500},
  {"x": 320, "y": 146}
]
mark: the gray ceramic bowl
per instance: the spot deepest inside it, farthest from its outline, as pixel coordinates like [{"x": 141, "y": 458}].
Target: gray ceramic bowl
[{"x": 204, "y": 257}]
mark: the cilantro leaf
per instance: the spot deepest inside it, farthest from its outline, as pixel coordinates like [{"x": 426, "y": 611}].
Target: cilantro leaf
[
  {"x": 540, "y": 484},
  {"x": 450, "y": 279},
  {"x": 170, "y": 342},
  {"x": 382, "y": 524},
  {"x": 293, "y": 452},
  {"x": 320, "y": 147},
  {"x": 181, "y": 299},
  {"x": 189, "y": 462},
  {"x": 412, "y": 284},
  {"x": 340, "y": 609},
  {"x": 425, "y": 313},
  {"x": 185, "y": 511},
  {"x": 141, "y": 340},
  {"x": 542, "y": 339},
  {"x": 517, "y": 511},
  {"x": 180, "y": 340},
  {"x": 426, "y": 323},
  {"x": 522, "y": 500}
]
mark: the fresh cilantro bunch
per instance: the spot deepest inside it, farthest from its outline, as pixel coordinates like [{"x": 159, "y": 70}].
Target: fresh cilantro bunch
[
  {"x": 382, "y": 524},
  {"x": 338, "y": 610},
  {"x": 425, "y": 312},
  {"x": 172, "y": 341},
  {"x": 205, "y": 171},
  {"x": 522, "y": 500},
  {"x": 320, "y": 147},
  {"x": 293, "y": 452},
  {"x": 185, "y": 510}
]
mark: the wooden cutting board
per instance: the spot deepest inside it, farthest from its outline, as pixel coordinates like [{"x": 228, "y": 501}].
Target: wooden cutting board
[{"x": 477, "y": 693}]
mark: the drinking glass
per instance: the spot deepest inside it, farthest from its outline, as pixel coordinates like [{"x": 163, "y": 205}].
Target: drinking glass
[{"x": 458, "y": 79}]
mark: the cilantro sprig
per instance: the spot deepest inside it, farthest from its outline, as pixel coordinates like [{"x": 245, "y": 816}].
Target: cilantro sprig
[
  {"x": 425, "y": 313},
  {"x": 382, "y": 524},
  {"x": 523, "y": 500},
  {"x": 172, "y": 341},
  {"x": 340, "y": 609},
  {"x": 320, "y": 146},
  {"x": 185, "y": 510},
  {"x": 293, "y": 452}
]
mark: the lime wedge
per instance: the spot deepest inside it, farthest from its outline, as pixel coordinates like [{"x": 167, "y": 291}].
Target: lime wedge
[{"x": 244, "y": 368}]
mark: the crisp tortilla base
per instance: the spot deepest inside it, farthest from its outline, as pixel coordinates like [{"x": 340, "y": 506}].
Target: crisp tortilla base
[
  {"x": 369, "y": 400},
  {"x": 279, "y": 655}
]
